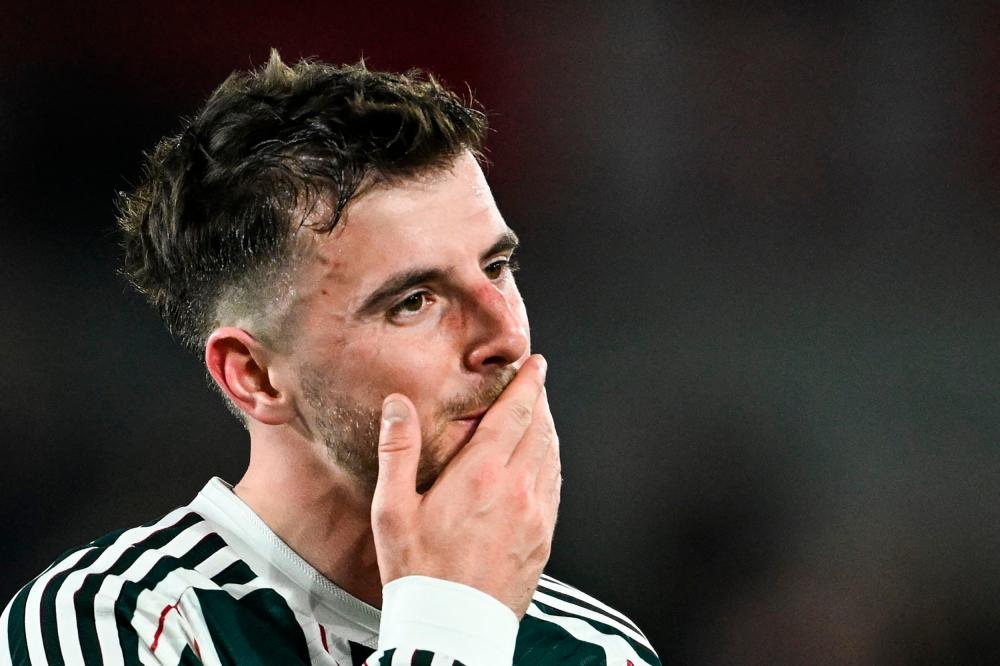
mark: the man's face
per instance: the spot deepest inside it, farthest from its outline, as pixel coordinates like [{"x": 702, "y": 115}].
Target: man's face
[{"x": 411, "y": 293}]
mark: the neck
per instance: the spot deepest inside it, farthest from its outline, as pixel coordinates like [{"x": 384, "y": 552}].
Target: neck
[{"x": 316, "y": 508}]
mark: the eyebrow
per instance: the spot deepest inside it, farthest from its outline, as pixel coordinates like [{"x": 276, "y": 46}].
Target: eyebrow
[{"x": 397, "y": 283}]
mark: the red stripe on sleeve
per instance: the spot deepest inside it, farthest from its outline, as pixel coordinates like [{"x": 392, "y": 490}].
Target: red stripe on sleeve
[{"x": 159, "y": 627}]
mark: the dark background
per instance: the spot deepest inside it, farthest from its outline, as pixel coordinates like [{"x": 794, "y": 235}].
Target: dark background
[{"x": 761, "y": 254}]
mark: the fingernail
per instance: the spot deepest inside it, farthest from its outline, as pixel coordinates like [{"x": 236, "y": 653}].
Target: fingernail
[
  {"x": 543, "y": 366},
  {"x": 393, "y": 410}
]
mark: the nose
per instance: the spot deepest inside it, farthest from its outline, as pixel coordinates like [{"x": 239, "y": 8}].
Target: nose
[{"x": 498, "y": 330}]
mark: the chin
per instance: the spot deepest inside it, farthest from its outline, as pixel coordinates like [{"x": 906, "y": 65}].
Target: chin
[{"x": 445, "y": 446}]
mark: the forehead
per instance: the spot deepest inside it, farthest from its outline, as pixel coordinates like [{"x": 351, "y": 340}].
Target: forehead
[
  {"x": 419, "y": 204},
  {"x": 439, "y": 220}
]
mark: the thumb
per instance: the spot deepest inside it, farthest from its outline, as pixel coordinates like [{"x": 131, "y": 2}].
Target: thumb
[{"x": 398, "y": 451}]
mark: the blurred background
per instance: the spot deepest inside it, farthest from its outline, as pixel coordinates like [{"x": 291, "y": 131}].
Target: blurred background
[{"x": 761, "y": 253}]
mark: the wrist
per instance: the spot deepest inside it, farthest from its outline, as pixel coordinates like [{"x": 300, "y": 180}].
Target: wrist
[{"x": 419, "y": 612}]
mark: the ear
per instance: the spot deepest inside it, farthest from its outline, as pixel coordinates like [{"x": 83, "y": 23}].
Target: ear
[{"x": 239, "y": 365}]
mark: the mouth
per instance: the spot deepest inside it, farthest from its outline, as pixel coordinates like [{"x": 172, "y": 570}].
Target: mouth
[
  {"x": 473, "y": 416},
  {"x": 465, "y": 427}
]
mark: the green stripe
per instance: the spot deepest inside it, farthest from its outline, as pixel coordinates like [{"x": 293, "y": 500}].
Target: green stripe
[
  {"x": 582, "y": 603},
  {"x": 359, "y": 653},
  {"x": 386, "y": 658},
  {"x": 543, "y": 643},
  {"x": 83, "y": 600},
  {"x": 128, "y": 599},
  {"x": 17, "y": 640},
  {"x": 606, "y": 629},
  {"x": 237, "y": 573},
  {"x": 50, "y": 630},
  {"x": 189, "y": 658},
  {"x": 422, "y": 658},
  {"x": 16, "y": 630},
  {"x": 109, "y": 538},
  {"x": 257, "y": 629}
]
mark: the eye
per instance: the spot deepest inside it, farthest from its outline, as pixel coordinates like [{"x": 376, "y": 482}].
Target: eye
[
  {"x": 496, "y": 269},
  {"x": 411, "y": 305}
]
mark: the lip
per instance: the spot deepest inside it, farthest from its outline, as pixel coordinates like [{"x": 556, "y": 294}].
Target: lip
[{"x": 474, "y": 416}]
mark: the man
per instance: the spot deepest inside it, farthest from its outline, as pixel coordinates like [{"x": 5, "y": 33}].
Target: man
[{"x": 325, "y": 238}]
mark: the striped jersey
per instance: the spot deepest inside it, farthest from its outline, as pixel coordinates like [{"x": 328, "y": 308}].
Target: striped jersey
[{"x": 210, "y": 583}]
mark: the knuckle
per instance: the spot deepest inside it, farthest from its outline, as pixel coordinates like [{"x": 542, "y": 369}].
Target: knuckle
[
  {"x": 396, "y": 438},
  {"x": 522, "y": 491},
  {"x": 384, "y": 520},
  {"x": 485, "y": 475},
  {"x": 535, "y": 522}
]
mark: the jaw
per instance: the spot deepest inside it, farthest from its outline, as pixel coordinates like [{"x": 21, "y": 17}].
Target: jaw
[{"x": 441, "y": 448}]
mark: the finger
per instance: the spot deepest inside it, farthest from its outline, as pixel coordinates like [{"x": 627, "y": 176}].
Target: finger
[
  {"x": 548, "y": 483},
  {"x": 505, "y": 423},
  {"x": 398, "y": 453},
  {"x": 532, "y": 452}
]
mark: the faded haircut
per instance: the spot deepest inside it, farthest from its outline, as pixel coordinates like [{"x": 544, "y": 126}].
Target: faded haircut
[{"x": 208, "y": 232}]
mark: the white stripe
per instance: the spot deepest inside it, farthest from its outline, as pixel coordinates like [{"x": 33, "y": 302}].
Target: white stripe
[
  {"x": 174, "y": 589},
  {"x": 441, "y": 660},
  {"x": 191, "y": 606},
  {"x": 314, "y": 642},
  {"x": 173, "y": 640},
  {"x": 587, "y": 613},
  {"x": 194, "y": 616},
  {"x": 559, "y": 586},
  {"x": 33, "y": 607},
  {"x": 69, "y": 636},
  {"x": 151, "y": 603},
  {"x": 146, "y": 621},
  {"x": 615, "y": 647},
  {"x": 178, "y": 585},
  {"x": 401, "y": 657},
  {"x": 146, "y": 656},
  {"x": 217, "y": 562},
  {"x": 111, "y": 589}
]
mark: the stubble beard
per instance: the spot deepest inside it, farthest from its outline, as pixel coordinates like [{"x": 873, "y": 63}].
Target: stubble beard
[{"x": 349, "y": 429}]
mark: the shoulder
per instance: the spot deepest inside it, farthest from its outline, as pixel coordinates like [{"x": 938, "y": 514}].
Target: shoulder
[
  {"x": 100, "y": 597},
  {"x": 565, "y": 625}
]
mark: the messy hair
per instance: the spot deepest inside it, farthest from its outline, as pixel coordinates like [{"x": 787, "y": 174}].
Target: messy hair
[{"x": 209, "y": 230}]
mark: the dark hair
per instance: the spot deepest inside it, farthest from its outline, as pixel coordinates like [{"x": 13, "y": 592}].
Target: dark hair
[{"x": 211, "y": 223}]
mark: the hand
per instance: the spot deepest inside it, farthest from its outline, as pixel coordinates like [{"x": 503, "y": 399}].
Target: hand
[{"x": 487, "y": 521}]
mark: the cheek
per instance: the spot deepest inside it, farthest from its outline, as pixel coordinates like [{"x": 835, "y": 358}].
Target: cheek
[
  {"x": 453, "y": 323},
  {"x": 381, "y": 363}
]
